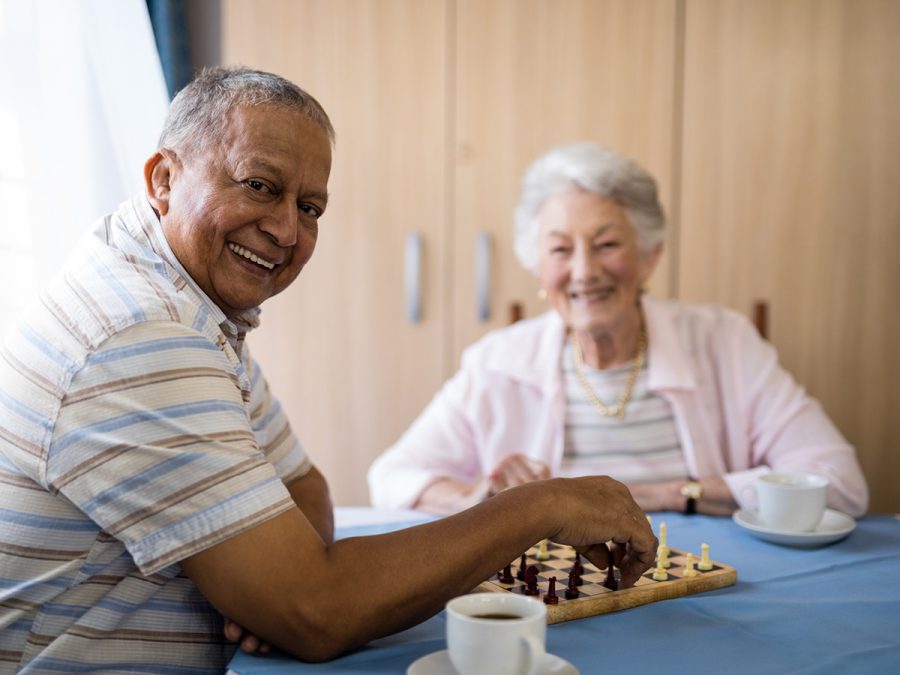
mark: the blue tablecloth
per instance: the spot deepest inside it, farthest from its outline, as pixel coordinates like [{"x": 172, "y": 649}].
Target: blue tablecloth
[{"x": 833, "y": 609}]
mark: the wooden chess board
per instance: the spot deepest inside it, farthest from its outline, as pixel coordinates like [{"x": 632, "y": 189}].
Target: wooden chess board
[{"x": 594, "y": 598}]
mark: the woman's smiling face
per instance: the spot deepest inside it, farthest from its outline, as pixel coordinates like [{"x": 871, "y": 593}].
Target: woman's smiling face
[{"x": 589, "y": 260}]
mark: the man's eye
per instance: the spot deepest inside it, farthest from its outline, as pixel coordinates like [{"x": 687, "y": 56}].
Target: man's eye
[
  {"x": 311, "y": 210},
  {"x": 257, "y": 185}
]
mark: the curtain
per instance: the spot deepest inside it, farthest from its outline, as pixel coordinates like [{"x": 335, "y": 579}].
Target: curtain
[
  {"x": 82, "y": 101},
  {"x": 170, "y": 28}
]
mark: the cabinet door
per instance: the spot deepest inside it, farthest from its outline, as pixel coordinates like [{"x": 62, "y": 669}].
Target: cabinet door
[
  {"x": 535, "y": 73},
  {"x": 337, "y": 347},
  {"x": 790, "y": 194}
]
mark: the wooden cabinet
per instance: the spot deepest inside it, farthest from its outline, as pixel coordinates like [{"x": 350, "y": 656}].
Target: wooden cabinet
[
  {"x": 337, "y": 347},
  {"x": 790, "y": 177},
  {"x": 771, "y": 126},
  {"x": 533, "y": 74}
]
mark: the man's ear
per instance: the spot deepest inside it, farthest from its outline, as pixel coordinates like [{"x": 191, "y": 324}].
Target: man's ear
[{"x": 159, "y": 171}]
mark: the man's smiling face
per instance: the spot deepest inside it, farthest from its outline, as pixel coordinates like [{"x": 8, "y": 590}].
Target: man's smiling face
[{"x": 242, "y": 215}]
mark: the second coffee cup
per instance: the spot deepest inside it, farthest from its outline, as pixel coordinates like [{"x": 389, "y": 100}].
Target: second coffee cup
[{"x": 791, "y": 502}]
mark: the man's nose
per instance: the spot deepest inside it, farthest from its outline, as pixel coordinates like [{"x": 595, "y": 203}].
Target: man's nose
[{"x": 281, "y": 223}]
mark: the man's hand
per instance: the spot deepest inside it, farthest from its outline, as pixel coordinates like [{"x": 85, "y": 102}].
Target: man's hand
[
  {"x": 600, "y": 509},
  {"x": 516, "y": 470},
  {"x": 248, "y": 641}
]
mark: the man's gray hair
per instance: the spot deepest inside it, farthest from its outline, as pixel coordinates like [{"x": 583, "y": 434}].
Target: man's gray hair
[
  {"x": 594, "y": 168},
  {"x": 199, "y": 111}
]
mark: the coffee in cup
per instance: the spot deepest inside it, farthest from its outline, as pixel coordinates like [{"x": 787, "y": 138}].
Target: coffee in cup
[
  {"x": 496, "y": 634},
  {"x": 791, "y": 502}
]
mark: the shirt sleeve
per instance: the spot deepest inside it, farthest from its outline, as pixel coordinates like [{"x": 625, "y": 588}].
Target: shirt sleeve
[
  {"x": 273, "y": 432},
  {"x": 154, "y": 443}
]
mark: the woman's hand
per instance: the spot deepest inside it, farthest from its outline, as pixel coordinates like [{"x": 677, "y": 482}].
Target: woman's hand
[
  {"x": 716, "y": 499},
  {"x": 515, "y": 470}
]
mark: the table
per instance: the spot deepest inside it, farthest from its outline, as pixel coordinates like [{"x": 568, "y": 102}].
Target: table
[{"x": 833, "y": 609}]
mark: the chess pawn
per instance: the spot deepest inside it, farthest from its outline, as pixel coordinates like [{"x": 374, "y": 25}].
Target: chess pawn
[
  {"x": 662, "y": 557},
  {"x": 663, "y": 544},
  {"x": 572, "y": 588},
  {"x": 689, "y": 570},
  {"x": 660, "y": 574},
  {"x": 542, "y": 553},
  {"x": 704, "y": 563}
]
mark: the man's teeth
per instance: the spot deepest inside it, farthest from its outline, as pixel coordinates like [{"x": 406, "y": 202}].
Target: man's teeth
[{"x": 252, "y": 257}]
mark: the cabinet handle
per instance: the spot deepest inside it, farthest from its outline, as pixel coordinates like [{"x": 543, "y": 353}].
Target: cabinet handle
[
  {"x": 412, "y": 266},
  {"x": 483, "y": 246}
]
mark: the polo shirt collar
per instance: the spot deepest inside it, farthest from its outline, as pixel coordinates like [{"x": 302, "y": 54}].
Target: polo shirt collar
[{"x": 232, "y": 327}]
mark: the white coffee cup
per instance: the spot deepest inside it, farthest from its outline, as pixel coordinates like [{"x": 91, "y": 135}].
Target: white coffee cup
[
  {"x": 791, "y": 502},
  {"x": 496, "y": 634}
]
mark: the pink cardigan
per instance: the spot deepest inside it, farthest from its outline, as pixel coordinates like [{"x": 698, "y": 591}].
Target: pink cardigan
[{"x": 738, "y": 413}]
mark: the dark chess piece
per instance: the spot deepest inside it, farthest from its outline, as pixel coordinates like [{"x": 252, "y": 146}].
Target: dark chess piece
[
  {"x": 531, "y": 587},
  {"x": 610, "y": 582},
  {"x": 550, "y": 597},
  {"x": 572, "y": 589},
  {"x": 520, "y": 575}
]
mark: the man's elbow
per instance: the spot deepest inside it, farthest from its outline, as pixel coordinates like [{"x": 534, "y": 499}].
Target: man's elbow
[{"x": 322, "y": 634}]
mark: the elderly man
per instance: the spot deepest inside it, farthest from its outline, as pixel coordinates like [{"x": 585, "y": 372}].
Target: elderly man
[{"x": 150, "y": 484}]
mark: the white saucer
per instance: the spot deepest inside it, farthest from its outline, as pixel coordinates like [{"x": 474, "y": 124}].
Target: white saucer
[
  {"x": 438, "y": 663},
  {"x": 834, "y": 527}
]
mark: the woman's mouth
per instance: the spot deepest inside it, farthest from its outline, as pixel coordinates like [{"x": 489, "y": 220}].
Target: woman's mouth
[{"x": 593, "y": 294}]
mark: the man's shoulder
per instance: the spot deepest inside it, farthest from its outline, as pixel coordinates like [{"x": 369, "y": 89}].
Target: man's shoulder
[{"x": 109, "y": 285}]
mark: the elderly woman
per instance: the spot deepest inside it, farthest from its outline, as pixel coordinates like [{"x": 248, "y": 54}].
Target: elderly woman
[{"x": 686, "y": 404}]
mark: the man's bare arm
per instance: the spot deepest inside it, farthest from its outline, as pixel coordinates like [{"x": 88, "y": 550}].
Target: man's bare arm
[
  {"x": 284, "y": 584},
  {"x": 311, "y": 495}
]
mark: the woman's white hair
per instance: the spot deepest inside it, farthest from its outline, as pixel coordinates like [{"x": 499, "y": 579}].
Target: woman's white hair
[{"x": 594, "y": 168}]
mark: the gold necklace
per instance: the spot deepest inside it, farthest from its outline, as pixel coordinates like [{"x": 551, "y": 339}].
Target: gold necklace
[{"x": 619, "y": 409}]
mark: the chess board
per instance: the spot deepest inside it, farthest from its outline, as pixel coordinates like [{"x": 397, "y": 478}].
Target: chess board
[{"x": 594, "y": 598}]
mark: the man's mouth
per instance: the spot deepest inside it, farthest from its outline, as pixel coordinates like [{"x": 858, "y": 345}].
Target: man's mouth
[{"x": 249, "y": 255}]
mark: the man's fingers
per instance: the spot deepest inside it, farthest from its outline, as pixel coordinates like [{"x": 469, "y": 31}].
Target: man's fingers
[
  {"x": 598, "y": 554},
  {"x": 232, "y": 631},
  {"x": 632, "y": 568},
  {"x": 250, "y": 643},
  {"x": 618, "y": 554}
]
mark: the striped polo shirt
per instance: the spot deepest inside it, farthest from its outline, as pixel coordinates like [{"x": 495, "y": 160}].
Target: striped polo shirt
[
  {"x": 643, "y": 447},
  {"x": 135, "y": 431}
]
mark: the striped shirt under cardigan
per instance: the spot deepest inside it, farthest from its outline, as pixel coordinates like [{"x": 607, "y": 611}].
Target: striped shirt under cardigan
[{"x": 135, "y": 431}]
